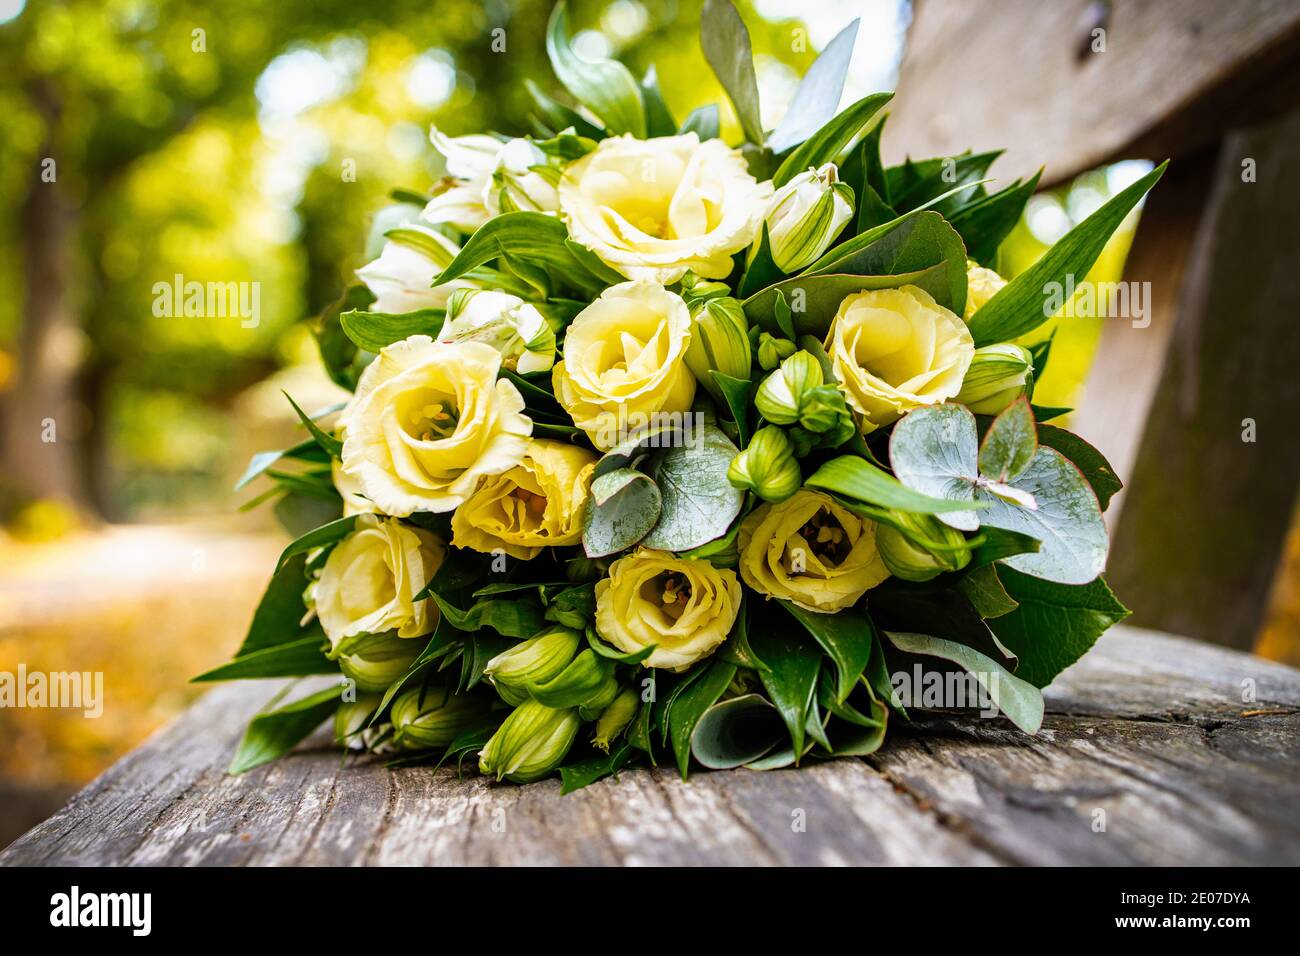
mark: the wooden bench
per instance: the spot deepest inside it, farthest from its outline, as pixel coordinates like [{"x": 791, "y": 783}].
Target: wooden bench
[
  {"x": 1156, "y": 749},
  {"x": 1148, "y": 755}
]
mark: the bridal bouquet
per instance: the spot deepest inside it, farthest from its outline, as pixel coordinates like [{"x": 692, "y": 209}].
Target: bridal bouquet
[{"x": 664, "y": 450}]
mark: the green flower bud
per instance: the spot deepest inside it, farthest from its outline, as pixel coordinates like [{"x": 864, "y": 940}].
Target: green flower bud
[
  {"x": 998, "y": 375},
  {"x": 584, "y": 679},
  {"x": 594, "y": 706},
  {"x": 921, "y": 547},
  {"x": 351, "y": 718},
  {"x": 426, "y": 717},
  {"x": 767, "y": 466},
  {"x": 614, "y": 718},
  {"x": 781, "y": 396},
  {"x": 533, "y": 661},
  {"x": 375, "y": 661},
  {"x": 806, "y": 215},
  {"x": 695, "y": 290},
  {"x": 771, "y": 350},
  {"x": 719, "y": 342},
  {"x": 530, "y": 743}
]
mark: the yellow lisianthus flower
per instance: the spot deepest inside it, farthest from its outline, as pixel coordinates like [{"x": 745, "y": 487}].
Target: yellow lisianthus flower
[
  {"x": 810, "y": 550},
  {"x": 535, "y": 505},
  {"x": 684, "y": 606}
]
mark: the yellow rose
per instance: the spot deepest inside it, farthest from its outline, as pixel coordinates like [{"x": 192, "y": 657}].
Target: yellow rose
[
  {"x": 428, "y": 420},
  {"x": 535, "y": 505},
  {"x": 370, "y": 580},
  {"x": 895, "y": 349},
  {"x": 656, "y": 208},
  {"x": 981, "y": 285},
  {"x": 685, "y": 606},
  {"x": 625, "y": 361},
  {"x": 810, "y": 550}
]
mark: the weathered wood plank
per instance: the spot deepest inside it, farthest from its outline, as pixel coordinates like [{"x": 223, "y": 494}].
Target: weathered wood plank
[
  {"x": 1021, "y": 75},
  {"x": 1152, "y": 730},
  {"x": 1205, "y": 516}
]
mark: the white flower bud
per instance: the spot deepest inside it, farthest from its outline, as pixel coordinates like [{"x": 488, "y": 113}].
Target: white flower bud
[{"x": 806, "y": 215}]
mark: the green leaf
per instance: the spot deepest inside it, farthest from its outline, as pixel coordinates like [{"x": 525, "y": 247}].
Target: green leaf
[
  {"x": 278, "y": 614},
  {"x": 688, "y": 707},
  {"x": 623, "y": 507},
  {"x": 736, "y": 393},
  {"x": 761, "y": 270},
  {"x": 559, "y": 116},
  {"x": 328, "y": 443},
  {"x": 704, "y": 121},
  {"x": 606, "y": 87},
  {"x": 933, "y": 450},
  {"x": 984, "y": 224},
  {"x": 658, "y": 120},
  {"x": 516, "y": 618},
  {"x": 857, "y": 478},
  {"x": 318, "y": 538},
  {"x": 923, "y": 182},
  {"x": 1092, "y": 463},
  {"x": 306, "y": 450},
  {"x": 337, "y": 351},
  {"x": 1010, "y": 443},
  {"x": 927, "y": 609},
  {"x": 914, "y": 245},
  {"x": 985, "y": 592},
  {"x": 1025, "y": 302},
  {"x": 827, "y": 143},
  {"x": 574, "y": 606},
  {"x": 818, "y": 95},
  {"x": 613, "y": 653},
  {"x": 846, "y": 638},
  {"x": 698, "y": 503},
  {"x": 373, "y": 331},
  {"x": 737, "y": 732},
  {"x": 1055, "y": 624},
  {"x": 790, "y": 676},
  {"x": 273, "y": 733},
  {"x": 818, "y": 298},
  {"x": 528, "y": 237},
  {"x": 299, "y": 657},
  {"x": 575, "y": 776},
  {"x": 725, "y": 42},
  {"x": 1020, "y": 701}
]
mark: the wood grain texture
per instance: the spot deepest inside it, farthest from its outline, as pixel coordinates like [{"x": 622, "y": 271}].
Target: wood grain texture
[
  {"x": 1149, "y": 729},
  {"x": 1206, "y": 513},
  {"x": 1021, "y": 74}
]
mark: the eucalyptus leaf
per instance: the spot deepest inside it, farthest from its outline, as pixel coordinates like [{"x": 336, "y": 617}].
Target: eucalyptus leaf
[
  {"x": 1091, "y": 463},
  {"x": 933, "y": 450},
  {"x": 1010, "y": 443},
  {"x": 698, "y": 503},
  {"x": 1019, "y": 700},
  {"x": 624, "y": 505},
  {"x": 737, "y": 732}
]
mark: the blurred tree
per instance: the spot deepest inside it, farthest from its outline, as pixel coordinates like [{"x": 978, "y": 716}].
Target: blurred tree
[{"x": 164, "y": 137}]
